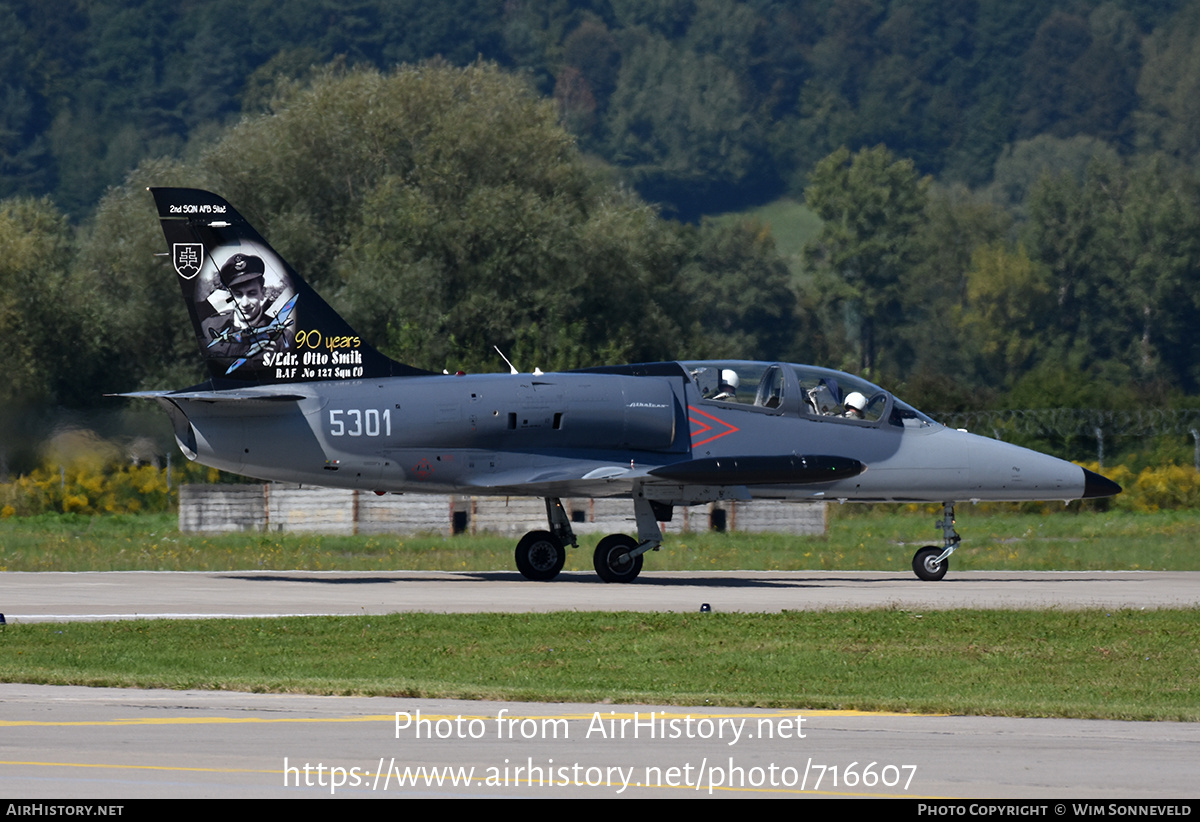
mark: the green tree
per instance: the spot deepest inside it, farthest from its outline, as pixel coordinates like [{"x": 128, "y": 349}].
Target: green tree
[
  {"x": 737, "y": 291},
  {"x": 1023, "y": 163},
  {"x": 45, "y": 333},
  {"x": 1168, "y": 118},
  {"x": 1080, "y": 77},
  {"x": 1008, "y": 309},
  {"x": 593, "y": 52},
  {"x": 1124, "y": 260},
  {"x": 936, "y": 356},
  {"x": 681, "y": 125},
  {"x": 23, "y": 161},
  {"x": 1160, "y": 255},
  {"x": 1074, "y": 230},
  {"x": 871, "y": 205}
]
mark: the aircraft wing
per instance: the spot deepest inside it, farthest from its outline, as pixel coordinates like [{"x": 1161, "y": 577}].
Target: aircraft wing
[{"x": 565, "y": 481}]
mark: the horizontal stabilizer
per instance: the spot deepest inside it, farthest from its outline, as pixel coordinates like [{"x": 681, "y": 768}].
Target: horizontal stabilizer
[
  {"x": 786, "y": 470},
  {"x": 229, "y": 395}
]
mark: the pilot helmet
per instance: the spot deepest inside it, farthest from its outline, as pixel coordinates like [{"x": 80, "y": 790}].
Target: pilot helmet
[
  {"x": 729, "y": 377},
  {"x": 856, "y": 401}
]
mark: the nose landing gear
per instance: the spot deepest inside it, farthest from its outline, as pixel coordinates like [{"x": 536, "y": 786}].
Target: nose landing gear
[{"x": 931, "y": 563}]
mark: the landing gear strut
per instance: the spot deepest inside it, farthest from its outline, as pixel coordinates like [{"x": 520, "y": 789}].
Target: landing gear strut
[{"x": 930, "y": 563}]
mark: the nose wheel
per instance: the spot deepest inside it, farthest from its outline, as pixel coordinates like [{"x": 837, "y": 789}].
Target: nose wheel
[
  {"x": 930, "y": 563},
  {"x": 927, "y": 566}
]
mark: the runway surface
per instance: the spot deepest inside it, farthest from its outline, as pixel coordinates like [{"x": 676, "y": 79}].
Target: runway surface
[
  {"x": 29, "y": 597},
  {"x": 67, "y": 742}
]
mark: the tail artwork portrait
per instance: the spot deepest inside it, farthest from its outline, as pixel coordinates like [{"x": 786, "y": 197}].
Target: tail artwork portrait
[{"x": 256, "y": 321}]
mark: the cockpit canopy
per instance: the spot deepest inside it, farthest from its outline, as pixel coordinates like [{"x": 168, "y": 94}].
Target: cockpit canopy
[{"x": 802, "y": 389}]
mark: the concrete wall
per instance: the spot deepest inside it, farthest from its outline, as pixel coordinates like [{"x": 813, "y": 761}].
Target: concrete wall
[
  {"x": 222, "y": 507},
  {"x": 278, "y": 507}
]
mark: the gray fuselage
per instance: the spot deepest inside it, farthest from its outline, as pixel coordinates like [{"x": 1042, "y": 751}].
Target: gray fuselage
[{"x": 600, "y": 434}]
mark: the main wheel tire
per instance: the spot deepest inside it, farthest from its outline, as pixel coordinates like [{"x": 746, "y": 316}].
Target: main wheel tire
[
  {"x": 926, "y": 568},
  {"x": 612, "y": 561},
  {"x": 540, "y": 556}
]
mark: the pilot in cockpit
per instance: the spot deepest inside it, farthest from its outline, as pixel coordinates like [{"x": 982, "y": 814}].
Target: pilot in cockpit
[
  {"x": 855, "y": 403},
  {"x": 729, "y": 385}
]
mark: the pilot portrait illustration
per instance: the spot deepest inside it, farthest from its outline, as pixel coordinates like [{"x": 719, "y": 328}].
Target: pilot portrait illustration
[{"x": 248, "y": 310}]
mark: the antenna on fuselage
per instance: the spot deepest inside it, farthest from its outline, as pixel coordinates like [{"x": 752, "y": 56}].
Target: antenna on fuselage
[{"x": 512, "y": 369}]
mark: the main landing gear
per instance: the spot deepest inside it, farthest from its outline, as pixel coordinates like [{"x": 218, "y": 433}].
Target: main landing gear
[
  {"x": 930, "y": 563},
  {"x": 618, "y": 558},
  {"x": 541, "y": 554}
]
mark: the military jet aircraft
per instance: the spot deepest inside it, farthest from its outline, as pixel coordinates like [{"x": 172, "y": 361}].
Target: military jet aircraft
[{"x": 319, "y": 405}]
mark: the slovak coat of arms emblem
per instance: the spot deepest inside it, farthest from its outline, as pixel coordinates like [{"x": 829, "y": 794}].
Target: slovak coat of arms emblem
[{"x": 187, "y": 257}]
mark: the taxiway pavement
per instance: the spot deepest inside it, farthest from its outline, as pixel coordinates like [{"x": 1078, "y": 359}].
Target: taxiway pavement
[
  {"x": 100, "y": 743},
  {"x": 32, "y": 597}
]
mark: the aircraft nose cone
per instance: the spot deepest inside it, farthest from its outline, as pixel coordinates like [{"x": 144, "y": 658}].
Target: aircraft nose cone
[{"x": 1095, "y": 485}]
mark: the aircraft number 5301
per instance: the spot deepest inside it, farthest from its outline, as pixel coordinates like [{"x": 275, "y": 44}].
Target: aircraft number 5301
[{"x": 357, "y": 422}]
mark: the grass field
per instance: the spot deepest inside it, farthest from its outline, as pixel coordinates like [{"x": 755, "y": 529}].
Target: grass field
[
  {"x": 1116, "y": 665},
  {"x": 857, "y": 539}
]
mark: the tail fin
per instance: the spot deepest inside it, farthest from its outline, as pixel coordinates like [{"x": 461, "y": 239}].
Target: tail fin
[{"x": 256, "y": 320}]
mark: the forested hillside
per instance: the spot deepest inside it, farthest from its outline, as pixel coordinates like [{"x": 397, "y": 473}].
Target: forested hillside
[
  {"x": 1009, "y": 192},
  {"x": 702, "y": 103}
]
